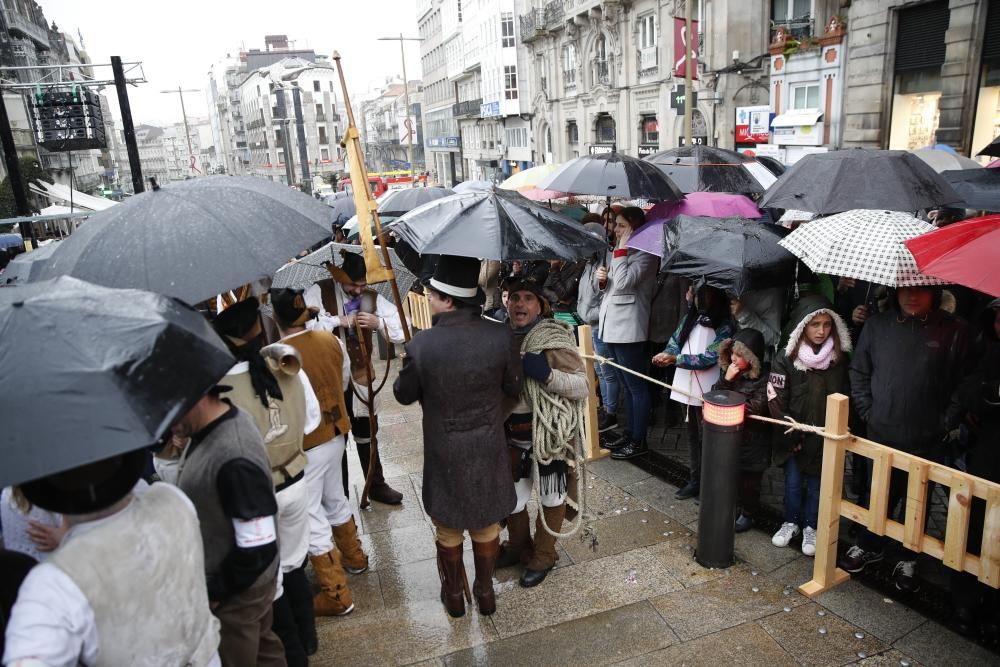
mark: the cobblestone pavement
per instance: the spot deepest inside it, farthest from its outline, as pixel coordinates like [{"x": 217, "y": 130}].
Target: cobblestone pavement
[{"x": 636, "y": 598}]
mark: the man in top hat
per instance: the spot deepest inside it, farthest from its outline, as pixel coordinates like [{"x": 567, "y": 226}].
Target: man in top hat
[
  {"x": 268, "y": 384},
  {"x": 559, "y": 371},
  {"x": 345, "y": 302},
  {"x": 127, "y": 584},
  {"x": 463, "y": 370},
  {"x": 330, "y": 517}
]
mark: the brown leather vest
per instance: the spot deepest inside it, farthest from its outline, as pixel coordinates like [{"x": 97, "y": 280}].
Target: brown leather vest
[
  {"x": 322, "y": 360},
  {"x": 359, "y": 350}
]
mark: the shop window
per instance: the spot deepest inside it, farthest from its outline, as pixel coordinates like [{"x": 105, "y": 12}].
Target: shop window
[
  {"x": 987, "y": 121},
  {"x": 805, "y": 97},
  {"x": 605, "y": 129},
  {"x": 650, "y": 133},
  {"x": 915, "y": 109}
]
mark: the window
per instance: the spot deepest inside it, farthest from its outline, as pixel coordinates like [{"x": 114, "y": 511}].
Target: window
[
  {"x": 458, "y": 3},
  {"x": 794, "y": 15},
  {"x": 322, "y": 135},
  {"x": 605, "y": 129},
  {"x": 510, "y": 82},
  {"x": 315, "y": 86},
  {"x": 507, "y": 30},
  {"x": 569, "y": 64},
  {"x": 647, "y": 31},
  {"x": 805, "y": 97},
  {"x": 601, "y": 70},
  {"x": 319, "y": 110},
  {"x": 650, "y": 131},
  {"x": 572, "y": 132},
  {"x": 277, "y": 138},
  {"x": 324, "y": 154}
]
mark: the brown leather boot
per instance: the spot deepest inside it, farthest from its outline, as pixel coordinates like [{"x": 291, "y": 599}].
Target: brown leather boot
[
  {"x": 517, "y": 549},
  {"x": 485, "y": 556},
  {"x": 334, "y": 598},
  {"x": 545, "y": 556},
  {"x": 379, "y": 491},
  {"x": 352, "y": 556},
  {"x": 454, "y": 584}
]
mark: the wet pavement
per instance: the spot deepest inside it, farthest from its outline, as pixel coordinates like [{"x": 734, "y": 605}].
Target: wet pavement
[{"x": 637, "y": 597}]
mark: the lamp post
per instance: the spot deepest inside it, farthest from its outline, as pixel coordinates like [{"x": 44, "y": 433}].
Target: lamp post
[
  {"x": 187, "y": 133},
  {"x": 406, "y": 94}
]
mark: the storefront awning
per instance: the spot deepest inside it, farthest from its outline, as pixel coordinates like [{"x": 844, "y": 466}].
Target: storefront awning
[{"x": 797, "y": 118}]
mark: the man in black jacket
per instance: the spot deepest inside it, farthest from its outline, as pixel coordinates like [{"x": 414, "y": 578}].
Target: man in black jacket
[{"x": 908, "y": 362}]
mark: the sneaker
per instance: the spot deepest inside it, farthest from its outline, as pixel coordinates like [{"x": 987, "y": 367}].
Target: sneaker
[
  {"x": 856, "y": 559},
  {"x": 617, "y": 444},
  {"x": 785, "y": 534},
  {"x": 606, "y": 422},
  {"x": 809, "y": 541},
  {"x": 690, "y": 490},
  {"x": 629, "y": 451},
  {"x": 743, "y": 523},
  {"x": 904, "y": 575}
]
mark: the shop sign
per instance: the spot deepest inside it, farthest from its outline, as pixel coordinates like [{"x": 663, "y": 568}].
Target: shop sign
[
  {"x": 752, "y": 124},
  {"x": 602, "y": 149}
]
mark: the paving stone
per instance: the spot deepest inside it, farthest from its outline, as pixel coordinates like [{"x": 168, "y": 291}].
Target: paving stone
[
  {"x": 934, "y": 644},
  {"x": 378, "y": 517},
  {"x": 794, "y": 573},
  {"x": 400, "y": 449},
  {"x": 890, "y": 658},
  {"x": 723, "y": 603},
  {"x": 624, "y": 532},
  {"x": 399, "y": 546},
  {"x": 619, "y": 473},
  {"x": 403, "y": 466},
  {"x": 747, "y": 644},
  {"x": 582, "y": 590},
  {"x": 799, "y": 632},
  {"x": 660, "y": 495},
  {"x": 417, "y": 583},
  {"x": 603, "y": 639},
  {"x": 605, "y": 499},
  {"x": 867, "y": 609},
  {"x": 754, "y": 546},
  {"x": 678, "y": 557},
  {"x": 398, "y": 636}
]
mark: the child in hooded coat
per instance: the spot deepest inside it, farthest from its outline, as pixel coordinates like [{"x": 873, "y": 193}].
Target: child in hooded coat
[
  {"x": 812, "y": 366},
  {"x": 741, "y": 362}
]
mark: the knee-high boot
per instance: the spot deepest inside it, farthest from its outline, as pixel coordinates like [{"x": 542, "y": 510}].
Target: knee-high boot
[
  {"x": 454, "y": 583},
  {"x": 518, "y": 547},
  {"x": 379, "y": 491},
  {"x": 485, "y": 556},
  {"x": 545, "y": 556}
]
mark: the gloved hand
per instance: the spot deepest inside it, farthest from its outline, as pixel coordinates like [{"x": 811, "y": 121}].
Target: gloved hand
[{"x": 536, "y": 366}]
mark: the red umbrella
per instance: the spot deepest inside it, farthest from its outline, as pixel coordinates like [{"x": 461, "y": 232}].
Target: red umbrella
[{"x": 966, "y": 253}]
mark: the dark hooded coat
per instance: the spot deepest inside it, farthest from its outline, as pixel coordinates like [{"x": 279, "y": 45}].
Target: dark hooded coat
[
  {"x": 755, "y": 454},
  {"x": 800, "y": 392}
]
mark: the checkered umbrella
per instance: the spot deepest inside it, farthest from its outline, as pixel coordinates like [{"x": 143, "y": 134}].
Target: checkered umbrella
[{"x": 862, "y": 244}]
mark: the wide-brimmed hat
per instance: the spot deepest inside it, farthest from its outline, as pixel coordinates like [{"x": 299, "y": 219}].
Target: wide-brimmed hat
[
  {"x": 458, "y": 278},
  {"x": 290, "y": 309},
  {"x": 528, "y": 284},
  {"x": 237, "y": 324},
  {"x": 352, "y": 268},
  {"x": 88, "y": 488}
]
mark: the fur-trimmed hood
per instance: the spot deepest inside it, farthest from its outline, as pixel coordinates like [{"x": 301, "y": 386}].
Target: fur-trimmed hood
[
  {"x": 749, "y": 344},
  {"x": 808, "y": 308}
]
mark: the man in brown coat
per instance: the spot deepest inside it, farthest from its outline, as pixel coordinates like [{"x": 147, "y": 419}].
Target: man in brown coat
[{"x": 462, "y": 371}]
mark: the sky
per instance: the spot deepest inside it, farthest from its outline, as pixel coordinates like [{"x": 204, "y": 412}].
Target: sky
[{"x": 178, "y": 41}]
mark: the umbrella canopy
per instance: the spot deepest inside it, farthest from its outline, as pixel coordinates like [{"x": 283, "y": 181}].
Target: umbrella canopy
[
  {"x": 96, "y": 372},
  {"x": 772, "y": 165},
  {"x": 343, "y": 209},
  {"x": 194, "y": 239},
  {"x": 979, "y": 189},
  {"x": 28, "y": 264},
  {"x": 862, "y": 244},
  {"x": 303, "y": 272},
  {"x": 858, "y": 178},
  {"x": 944, "y": 160},
  {"x": 649, "y": 237},
  {"x": 494, "y": 224},
  {"x": 529, "y": 178},
  {"x": 397, "y": 202},
  {"x": 992, "y": 148},
  {"x": 732, "y": 254},
  {"x": 537, "y": 194},
  {"x": 705, "y": 168},
  {"x": 472, "y": 186},
  {"x": 612, "y": 175},
  {"x": 967, "y": 253},
  {"x": 10, "y": 241}
]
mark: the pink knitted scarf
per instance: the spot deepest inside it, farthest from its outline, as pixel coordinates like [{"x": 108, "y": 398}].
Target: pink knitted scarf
[{"x": 816, "y": 361}]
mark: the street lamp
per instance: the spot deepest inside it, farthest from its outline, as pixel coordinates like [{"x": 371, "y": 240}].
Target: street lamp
[
  {"x": 406, "y": 93},
  {"x": 284, "y": 124},
  {"x": 187, "y": 133}
]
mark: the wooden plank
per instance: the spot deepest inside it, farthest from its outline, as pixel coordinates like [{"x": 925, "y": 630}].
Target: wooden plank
[
  {"x": 957, "y": 530},
  {"x": 989, "y": 560},
  {"x": 826, "y": 575},
  {"x": 592, "y": 445},
  {"x": 916, "y": 506},
  {"x": 879, "y": 497},
  {"x": 855, "y": 513}
]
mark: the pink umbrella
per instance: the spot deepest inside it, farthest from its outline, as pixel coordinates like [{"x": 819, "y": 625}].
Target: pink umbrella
[
  {"x": 994, "y": 164},
  {"x": 538, "y": 194},
  {"x": 706, "y": 204},
  {"x": 649, "y": 237}
]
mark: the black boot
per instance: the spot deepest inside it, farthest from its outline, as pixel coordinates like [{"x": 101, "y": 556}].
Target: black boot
[
  {"x": 631, "y": 450},
  {"x": 618, "y": 443},
  {"x": 379, "y": 491},
  {"x": 690, "y": 490},
  {"x": 300, "y": 599}
]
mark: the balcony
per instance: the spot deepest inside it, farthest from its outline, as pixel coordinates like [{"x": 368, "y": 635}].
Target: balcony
[
  {"x": 602, "y": 73},
  {"x": 647, "y": 60},
  {"x": 532, "y": 25},
  {"x": 467, "y": 108},
  {"x": 796, "y": 28},
  {"x": 554, "y": 14},
  {"x": 19, "y": 24}
]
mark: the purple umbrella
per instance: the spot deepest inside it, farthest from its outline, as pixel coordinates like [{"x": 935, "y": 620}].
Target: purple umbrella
[{"x": 649, "y": 237}]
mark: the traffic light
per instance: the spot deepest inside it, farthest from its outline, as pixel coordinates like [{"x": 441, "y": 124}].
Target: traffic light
[{"x": 68, "y": 119}]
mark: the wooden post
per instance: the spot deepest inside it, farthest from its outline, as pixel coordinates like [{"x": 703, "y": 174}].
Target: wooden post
[
  {"x": 878, "y": 506},
  {"x": 593, "y": 444},
  {"x": 916, "y": 506},
  {"x": 989, "y": 560},
  {"x": 957, "y": 528},
  {"x": 826, "y": 574}
]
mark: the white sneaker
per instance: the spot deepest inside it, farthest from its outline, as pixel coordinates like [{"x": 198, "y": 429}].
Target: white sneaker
[
  {"x": 785, "y": 534},
  {"x": 809, "y": 541}
]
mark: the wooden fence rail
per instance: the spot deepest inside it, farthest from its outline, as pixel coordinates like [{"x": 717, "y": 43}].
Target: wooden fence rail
[{"x": 419, "y": 309}]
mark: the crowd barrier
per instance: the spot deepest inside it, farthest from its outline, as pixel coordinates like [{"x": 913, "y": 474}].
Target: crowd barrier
[{"x": 419, "y": 311}]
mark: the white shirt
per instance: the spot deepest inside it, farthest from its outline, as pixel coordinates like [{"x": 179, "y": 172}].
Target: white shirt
[
  {"x": 52, "y": 622},
  {"x": 385, "y": 310}
]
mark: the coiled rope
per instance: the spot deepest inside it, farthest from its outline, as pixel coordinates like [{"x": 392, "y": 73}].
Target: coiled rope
[{"x": 557, "y": 426}]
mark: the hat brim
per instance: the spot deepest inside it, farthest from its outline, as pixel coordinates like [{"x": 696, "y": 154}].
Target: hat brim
[
  {"x": 49, "y": 495},
  {"x": 477, "y": 300}
]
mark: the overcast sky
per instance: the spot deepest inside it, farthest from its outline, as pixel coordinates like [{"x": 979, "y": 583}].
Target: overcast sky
[{"x": 178, "y": 41}]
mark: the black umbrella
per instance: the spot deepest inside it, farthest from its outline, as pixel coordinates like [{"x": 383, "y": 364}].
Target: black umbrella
[
  {"x": 194, "y": 239},
  {"x": 91, "y": 372},
  {"x": 705, "y": 168},
  {"x": 772, "y": 165},
  {"x": 494, "y": 224},
  {"x": 612, "y": 175},
  {"x": 397, "y": 202},
  {"x": 343, "y": 210},
  {"x": 303, "y": 272},
  {"x": 978, "y": 188},
  {"x": 732, "y": 254},
  {"x": 992, "y": 148},
  {"x": 858, "y": 178}
]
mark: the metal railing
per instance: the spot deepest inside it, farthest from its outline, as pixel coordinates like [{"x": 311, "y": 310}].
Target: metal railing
[
  {"x": 796, "y": 28},
  {"x": 554, "y": 14},
  {"x": 466, "y": 108},
  {"x": 18, "y": 23},
  {"x": 532, "y": 24}
]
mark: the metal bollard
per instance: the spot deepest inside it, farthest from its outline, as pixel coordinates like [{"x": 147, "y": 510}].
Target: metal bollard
[{"x": 722, "y": 436}]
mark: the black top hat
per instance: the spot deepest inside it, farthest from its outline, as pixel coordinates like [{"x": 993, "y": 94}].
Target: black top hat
[{"x": 458, "y": 277}]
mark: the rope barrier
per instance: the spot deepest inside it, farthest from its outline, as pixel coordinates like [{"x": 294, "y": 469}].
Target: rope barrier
[{"x": 789, "y": 422}]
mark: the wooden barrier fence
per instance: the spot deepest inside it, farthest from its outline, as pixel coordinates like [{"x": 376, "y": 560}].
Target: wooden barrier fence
[
  {"x": 419, "y": 309},
  {"x": 963, "y": 487},
  {"x": 592, "y": 446}
]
